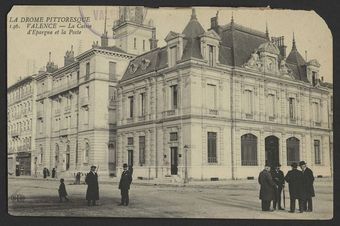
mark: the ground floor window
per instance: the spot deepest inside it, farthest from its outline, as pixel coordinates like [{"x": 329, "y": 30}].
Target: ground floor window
[
  {"x": 212, "y": 154},
  {"x": 293, "y": 150},
  {"x": 141, "y": 150},
  {"x": 317, "y": 152},
  {"x": 248, "y": 150}
]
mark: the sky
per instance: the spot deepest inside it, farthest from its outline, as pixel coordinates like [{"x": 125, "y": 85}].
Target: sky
[{"x": 27, "y": 53}]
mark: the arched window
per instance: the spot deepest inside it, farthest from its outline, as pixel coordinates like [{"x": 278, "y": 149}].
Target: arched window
[
  {"x": 86, "y": 152},
  {"x": 248, "y": 150},
  {"x": 293, "y": 150}
]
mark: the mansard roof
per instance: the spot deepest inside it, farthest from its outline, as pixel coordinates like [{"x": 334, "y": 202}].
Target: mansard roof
[{"x": 237, "y": 43}]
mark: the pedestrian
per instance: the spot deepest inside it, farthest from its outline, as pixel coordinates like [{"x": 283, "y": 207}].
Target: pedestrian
[
  {"x": 124, "y": 185},
  {"x": 53, "y": 172},
  {"x": 45, "y": 172},
  {"x": 62, "y": 191},
  {"x": 92, "y": 193},
  {"x": 267, "y": 188},
  {"x": 293, "y": 178},
  {"x": 279, "y": 180},
  {"x": 78, "y": 176},
  {"x": 307, "y": 187}
]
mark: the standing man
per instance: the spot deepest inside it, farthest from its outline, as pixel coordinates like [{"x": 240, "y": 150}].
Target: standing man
[
  {"x": 267, "y": 188},
  {"x": 293, "y": 179},
  {"x": 45, "y": 172},
  {"x": 92, "y": 193},
  {"x": 307, "y": 187},
  {"x": 124, "y": 185},
  {"x": 279, "y": 180}
]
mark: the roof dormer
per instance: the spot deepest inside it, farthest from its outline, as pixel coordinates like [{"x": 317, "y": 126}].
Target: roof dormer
[
  {"x": 210, "y": 42},
  {"x": 174, "y": 47},
  {"x": 312, "y": 68}
]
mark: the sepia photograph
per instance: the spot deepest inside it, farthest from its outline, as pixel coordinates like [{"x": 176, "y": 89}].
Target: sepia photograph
[{"x": 169, "y": 112}]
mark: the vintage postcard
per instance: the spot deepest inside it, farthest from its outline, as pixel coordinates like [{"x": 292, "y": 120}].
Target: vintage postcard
[{"x": 201, "y": 112}]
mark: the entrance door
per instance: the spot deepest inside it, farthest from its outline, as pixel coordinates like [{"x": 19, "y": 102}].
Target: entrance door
[
  {"x": 130, "y": 160},
  {"x": 174, "y": 160},
  {"x": 272, "y": 150}
]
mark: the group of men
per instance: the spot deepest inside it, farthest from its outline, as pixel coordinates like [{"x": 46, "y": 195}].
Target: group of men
[
  {"x": 92, "y": 193},
  {"x": 300, "y": 184}
]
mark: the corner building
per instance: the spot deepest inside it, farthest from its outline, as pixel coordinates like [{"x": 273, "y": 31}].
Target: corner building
[{"x": 220, "y": 104}]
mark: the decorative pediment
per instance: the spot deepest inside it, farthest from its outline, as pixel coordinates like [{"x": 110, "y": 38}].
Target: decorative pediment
[
  {"x": 211, "y": 34},
  {"x": 171, "y": 36},
  {"x": 314, "y": 63},
  {"x": 269, "y": 47}
]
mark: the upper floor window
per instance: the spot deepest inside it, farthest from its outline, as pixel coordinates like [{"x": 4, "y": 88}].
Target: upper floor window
[
  {"x": 173, "y": 56},
  {"x": 135, "y": 43},
  {"x": 130, "y": 106},
  {"x": 291, "y": 108},
  {"x": 112, "y": 70},
  {"x": 316, "y": 112},
  {"x": 87, "y": 72},
  {"x": 248, "y": 102},
  {"x": 142, "y": 104},
  {"x": 211, "y": 96},
  {"x": 271, "y": 105},
  {"x": 174, "y": 96},
  {"x": 130, "y": 141},
  {"x": 143, "y": 45}
]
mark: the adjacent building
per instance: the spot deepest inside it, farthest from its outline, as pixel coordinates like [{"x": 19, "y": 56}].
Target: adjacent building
[
  {"x": 21, "y": 121},
  {"x": 220, "y": 104}
]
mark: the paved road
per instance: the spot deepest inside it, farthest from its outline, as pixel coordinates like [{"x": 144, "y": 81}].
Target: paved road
[{"x": 228, "y": 200}]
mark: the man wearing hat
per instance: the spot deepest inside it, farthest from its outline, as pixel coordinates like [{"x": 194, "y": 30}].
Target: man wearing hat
[
  {"x": 279, "y": 180},
  {"x": 124, "y": 185},
  {"x": 293, "y": 179},
  {"x": 267, "y": 188},
  {"x": 307, "y": 187},
  {"x": 92, "y": 193}
]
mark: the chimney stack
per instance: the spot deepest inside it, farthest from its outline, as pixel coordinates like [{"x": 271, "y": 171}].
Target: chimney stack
[
  {"x": 69, "y": 57},
  {"x": 214, "y": 23},
  {"x": 279, "y": 41}
]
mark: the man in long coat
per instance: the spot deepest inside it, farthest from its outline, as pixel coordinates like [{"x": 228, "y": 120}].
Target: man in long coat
[
  {"x": 124, "y": 185},
  {"x": 279, "y": 180},
  {"x": 307, "y": 187},
  {"x": 293, "y": 179},
  {"x": 92, "y": 193},
  {"x": 267, "y": 188}
]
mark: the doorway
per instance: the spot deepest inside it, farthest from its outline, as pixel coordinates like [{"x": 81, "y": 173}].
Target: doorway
[
  {"x": 174, "y": 160},
  {"x": 272, "y": 151}
]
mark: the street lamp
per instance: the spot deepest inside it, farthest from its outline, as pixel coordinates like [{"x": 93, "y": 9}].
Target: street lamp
[{"x": 186, "y": 147}]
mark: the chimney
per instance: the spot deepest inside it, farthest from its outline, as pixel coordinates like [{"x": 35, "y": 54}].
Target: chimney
[
  {"x": 50, "y": 66},
  {"x": 69, "y": 57},
  {"x": 279, "y": 41}
]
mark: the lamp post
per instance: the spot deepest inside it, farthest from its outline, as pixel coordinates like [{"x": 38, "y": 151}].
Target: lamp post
[{"x": 186, "y": 147}]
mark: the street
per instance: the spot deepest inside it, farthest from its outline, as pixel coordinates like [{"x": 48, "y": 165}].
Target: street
[{"x": 223, "y": 199}]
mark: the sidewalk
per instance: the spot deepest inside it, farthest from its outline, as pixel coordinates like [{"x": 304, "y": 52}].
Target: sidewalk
[{"x": 168, "y": 181}]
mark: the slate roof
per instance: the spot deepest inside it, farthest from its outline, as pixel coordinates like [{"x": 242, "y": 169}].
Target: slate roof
[{"x": 237, "y": 44}]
